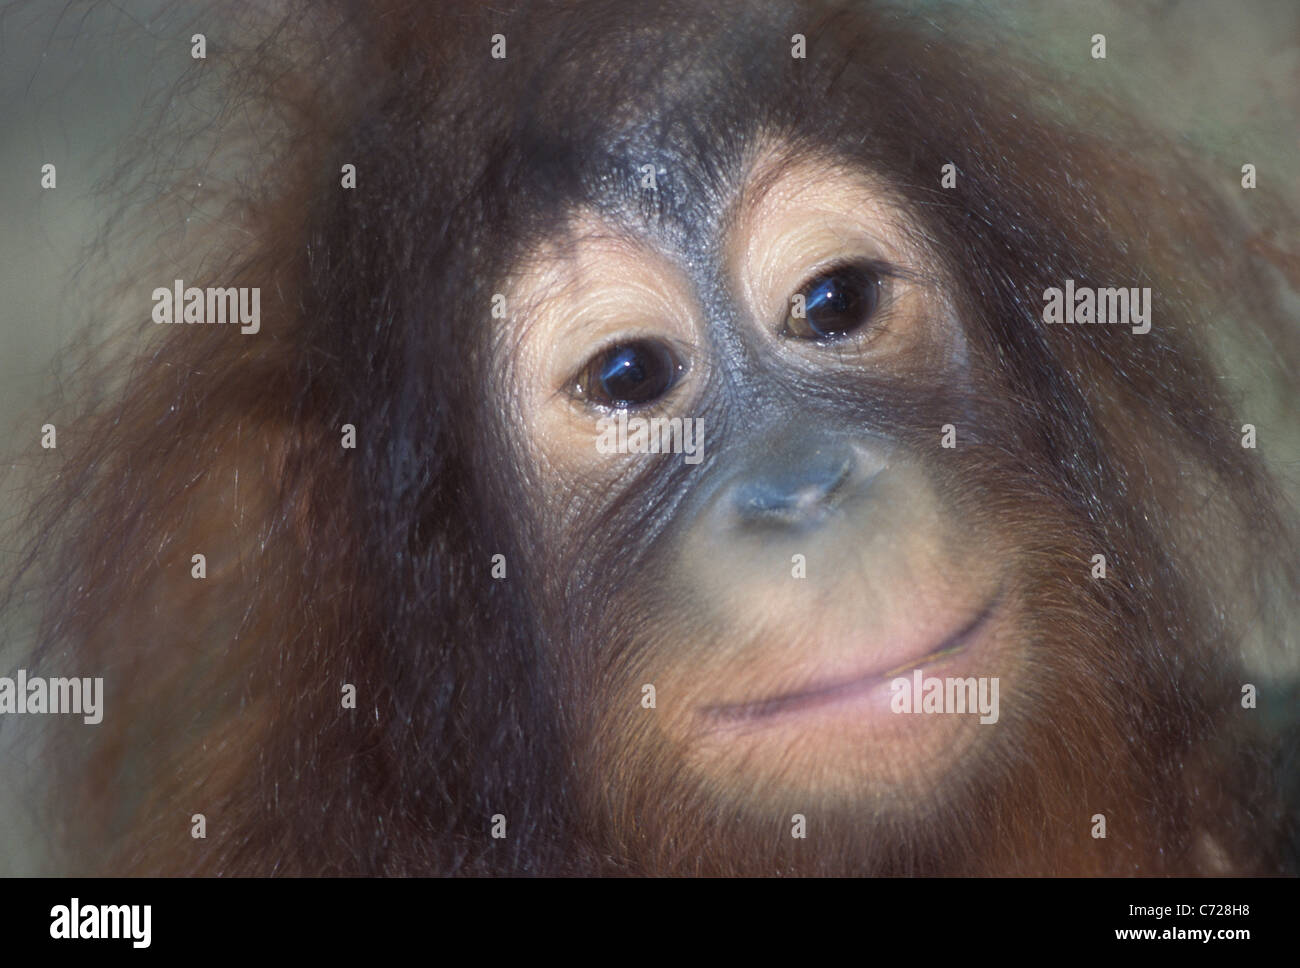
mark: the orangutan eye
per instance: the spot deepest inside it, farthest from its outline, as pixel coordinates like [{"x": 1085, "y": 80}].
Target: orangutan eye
[
  {"x": 630, "y": 374},
  {"x": 834, "y": 304}
]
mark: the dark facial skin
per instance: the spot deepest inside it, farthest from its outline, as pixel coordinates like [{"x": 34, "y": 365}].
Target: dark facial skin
[
  {"x": 771, "y": 673},
  {"x": 781, "y": 683}
]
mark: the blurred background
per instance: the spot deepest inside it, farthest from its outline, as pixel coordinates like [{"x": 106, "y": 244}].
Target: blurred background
[{"x": 75, "y": 80}]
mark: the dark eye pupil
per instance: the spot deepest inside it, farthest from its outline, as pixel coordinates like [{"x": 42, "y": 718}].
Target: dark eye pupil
[
  {"x": 835, "y": 304},
  {"x": 630, "y": 374}
]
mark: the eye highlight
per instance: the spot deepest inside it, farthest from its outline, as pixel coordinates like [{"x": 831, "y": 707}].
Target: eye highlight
[
  {"x": 836, "y": 303},
  {"x": 628, "y": 374}
]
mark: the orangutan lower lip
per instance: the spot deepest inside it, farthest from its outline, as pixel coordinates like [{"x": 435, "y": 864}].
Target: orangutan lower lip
[{"x": 819, "y": 695}]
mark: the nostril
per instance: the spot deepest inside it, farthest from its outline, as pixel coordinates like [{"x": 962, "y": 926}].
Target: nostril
[{"x": 794, "y": 491}]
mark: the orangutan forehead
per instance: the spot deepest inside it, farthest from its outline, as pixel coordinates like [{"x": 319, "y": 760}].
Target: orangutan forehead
[{"x": 776, "y": 187}]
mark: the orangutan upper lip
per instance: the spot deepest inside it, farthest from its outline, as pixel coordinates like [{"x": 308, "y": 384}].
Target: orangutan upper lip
[{"x": 818, "y": 694}]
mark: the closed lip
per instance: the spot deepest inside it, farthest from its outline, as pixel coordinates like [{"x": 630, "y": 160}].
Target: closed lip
[{"x": 827, "y": 693}]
